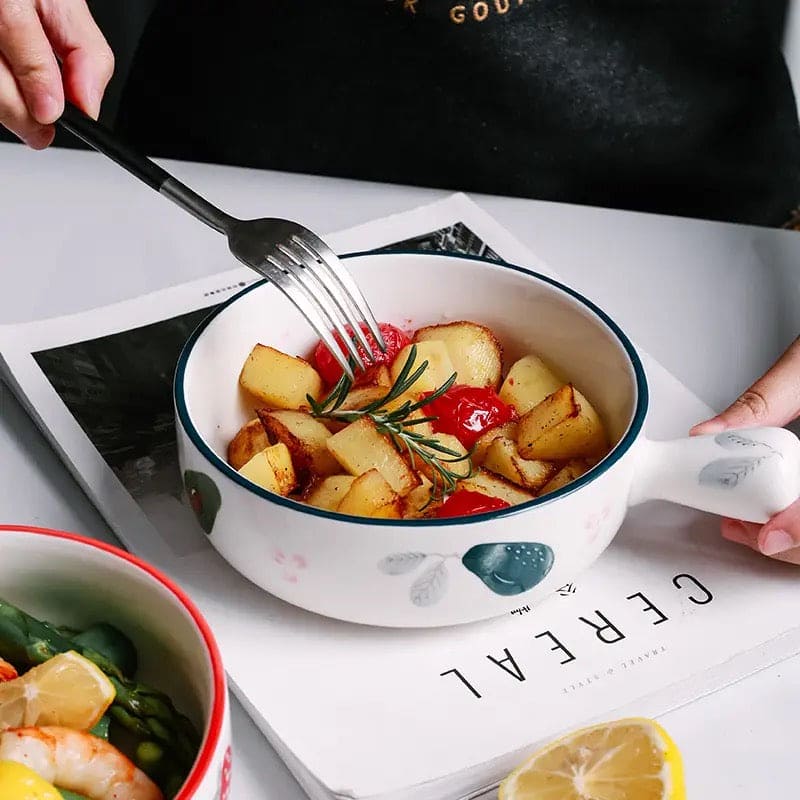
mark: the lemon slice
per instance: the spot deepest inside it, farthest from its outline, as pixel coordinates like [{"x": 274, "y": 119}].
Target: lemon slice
[
  {"x": 18, "y": 782},
  {"x": 632, "y": 759},
  {"x": 68, "y": 690}
]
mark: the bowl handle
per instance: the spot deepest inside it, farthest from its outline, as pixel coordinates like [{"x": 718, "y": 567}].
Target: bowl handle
[{"x": 747, "y": 474}]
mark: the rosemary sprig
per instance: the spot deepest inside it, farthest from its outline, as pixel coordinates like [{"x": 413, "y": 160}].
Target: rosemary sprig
[{"x": 397, "y": 425}]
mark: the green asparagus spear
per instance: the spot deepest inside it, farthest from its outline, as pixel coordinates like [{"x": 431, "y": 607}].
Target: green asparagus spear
[
  {"x": 101, "y": 729},
  {"x": 70, "y": 795},
  {"x": 112, "y": 643},
  {"x": 147, "y": 712}
]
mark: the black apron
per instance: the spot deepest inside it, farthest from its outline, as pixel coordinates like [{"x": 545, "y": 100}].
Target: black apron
[{"x": 683, "y": 108}]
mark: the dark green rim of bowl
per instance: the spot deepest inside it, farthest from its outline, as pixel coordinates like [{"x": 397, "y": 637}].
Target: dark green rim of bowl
[{"x": 642, "y": 402}]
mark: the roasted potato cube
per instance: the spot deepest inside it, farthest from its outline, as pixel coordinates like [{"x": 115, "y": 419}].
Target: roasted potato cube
[
  {"x": 417, "y": 504},
  {"x": 474, "y": 350},
  {"x": 356, "y": 399},
  {"x": 393, "y": 510},
  {"x": 272, "y": 469},
  {"x": 459, "y": 465},
  {"x": 368, "y": 495},
  {"x": 528, "y": 382},
  {"x": 278, "y": 380},
  {"x": 440, "y": 366},
  {"x": 306, "y": 439},
  {"x": 488, "y": 483},
  {"x": 509, "y": 430},
  {"x": 328, "y": 492},
  {"x": 563, "y": 426},
  {"x": 359, "y": 448},
  {"x": 504, "y": 459},
  {"x": 568, "y": 473},
  {"x": 362, "y": 396},
  {"x": 377, "y": 376},
  {"x": 251, "y": 439}
]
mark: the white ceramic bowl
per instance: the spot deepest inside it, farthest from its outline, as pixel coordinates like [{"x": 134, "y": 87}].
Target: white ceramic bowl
[
  {"x": 74, "y": 581},
  {"x": 447, "y": 571}
]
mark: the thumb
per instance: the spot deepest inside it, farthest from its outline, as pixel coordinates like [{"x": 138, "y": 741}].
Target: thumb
[{"x": 774, "y": 399}]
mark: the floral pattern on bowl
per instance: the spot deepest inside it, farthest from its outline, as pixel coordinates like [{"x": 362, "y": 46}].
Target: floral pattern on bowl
[{"x": 506, "y": 568}]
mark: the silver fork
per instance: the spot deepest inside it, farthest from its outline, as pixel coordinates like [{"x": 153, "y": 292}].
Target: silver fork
[{"x": 290, "y": 256}]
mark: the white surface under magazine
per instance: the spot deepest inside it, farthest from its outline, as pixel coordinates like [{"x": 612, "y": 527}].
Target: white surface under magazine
[{"x": 668, "y": 613}]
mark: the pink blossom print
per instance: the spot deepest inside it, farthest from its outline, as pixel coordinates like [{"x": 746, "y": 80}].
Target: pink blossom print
[
  {"x": 596, "y": 523},
  {"x": 292, "y": 564}
]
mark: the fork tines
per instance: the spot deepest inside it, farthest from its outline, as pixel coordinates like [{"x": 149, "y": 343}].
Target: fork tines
[{"x": 314, "y": 278}]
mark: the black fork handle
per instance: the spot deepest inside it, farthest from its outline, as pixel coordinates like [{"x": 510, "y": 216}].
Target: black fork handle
[{"x": 147, "y": 171}]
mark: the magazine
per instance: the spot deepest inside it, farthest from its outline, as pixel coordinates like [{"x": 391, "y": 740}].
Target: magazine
[{"x": 667, "y": 615}]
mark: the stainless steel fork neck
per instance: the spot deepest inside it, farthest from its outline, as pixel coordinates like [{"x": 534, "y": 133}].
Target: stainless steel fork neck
[{"x": 198, "y": 207}]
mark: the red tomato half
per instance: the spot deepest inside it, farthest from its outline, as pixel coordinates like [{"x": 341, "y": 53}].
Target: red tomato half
[
  {"x": 463, "y": 503},
  {"x": 468, "y": 411},
  {"x": 329, "y": 368}
]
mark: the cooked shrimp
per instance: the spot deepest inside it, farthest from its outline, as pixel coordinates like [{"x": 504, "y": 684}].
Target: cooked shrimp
[
  {"x": 78, "y": 762},
  {"x": 7, "y": 671}
]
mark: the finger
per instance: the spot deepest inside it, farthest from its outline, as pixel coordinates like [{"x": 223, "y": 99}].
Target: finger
[
  {"x": 87, "y": 60},
  {"x": 767, "y": 539},
  {"x": 739, "y": 532},
  {"x": 15, "y": 116},
  {"x": 31, "y": 59},
  {"x": 773, "y": 399},
  {"x": 782, "y": 533}
]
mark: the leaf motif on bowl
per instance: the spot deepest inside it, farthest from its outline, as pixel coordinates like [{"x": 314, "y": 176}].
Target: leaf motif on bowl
[
  {"x": 728, "y": 472},
  {"x": 431, "y": 586},
  {"x": 401, "y": 563},
  {"x": 204, "y": 498},
  {"x": 510, "y": 568},
  {"x": 735, "y": 441}
]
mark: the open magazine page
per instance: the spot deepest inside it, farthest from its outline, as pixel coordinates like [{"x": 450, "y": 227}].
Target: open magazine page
[{"x": 665, "y": 616}]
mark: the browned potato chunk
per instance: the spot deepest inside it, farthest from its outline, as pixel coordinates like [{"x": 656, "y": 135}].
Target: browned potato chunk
[
  {"x": 504, "y": 459},
  {"x": 393, "y": 510},
  {"x": 568, "y": 473},
  {"x": 488, "y": 483},
  {"x": 279, "y": 380},
  {"x": 563, "y": 426},
  {"x": 362, "y": 396},
  {"x": 440, "y": 366},
  {"x": 369, "y": 495},
  {"x": 272, "y": 469},
  {"x": 251, "y": 439},
  {"x": 306, "y": 439},
  {"x": 528, "y": 382},
  {"x": 509, "y": 430},
  {"x": 474, "y": 351},
  {"x": 461, "y": 467},
  {"x": 417, "y": 504},
  {"x": 328, "y": 492},
  {"x": 356, "y": 399},
  {"x": 359, "y": 448},
  {"x": 379, "y": 377}
]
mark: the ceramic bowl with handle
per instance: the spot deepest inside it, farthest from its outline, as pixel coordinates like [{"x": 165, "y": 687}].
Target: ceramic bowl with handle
[
  {"x": 73, "y": 581},
  {"x": 435, "y": 572}
]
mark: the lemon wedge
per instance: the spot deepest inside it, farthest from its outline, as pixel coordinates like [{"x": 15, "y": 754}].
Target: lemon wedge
[
  {"x": 631, "y": 759},
  {"x": 18, "y": 782},
  {"x": 67, "y": 690}
]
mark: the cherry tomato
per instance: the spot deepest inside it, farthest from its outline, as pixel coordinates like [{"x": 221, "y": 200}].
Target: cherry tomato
[
  {"x": 463, "y": 503},
  {"x": 329, "y": 368},
  {"x": 468, "y": 411}
]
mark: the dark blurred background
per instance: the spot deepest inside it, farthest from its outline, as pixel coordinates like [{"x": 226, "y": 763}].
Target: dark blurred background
[{"x": 122, "y": 22}]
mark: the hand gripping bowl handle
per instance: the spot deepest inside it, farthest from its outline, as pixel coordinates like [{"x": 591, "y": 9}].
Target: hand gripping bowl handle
[{"x": 747, "y": 474}]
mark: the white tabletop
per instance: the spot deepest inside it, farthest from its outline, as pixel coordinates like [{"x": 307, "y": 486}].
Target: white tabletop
[{"x": 714, "y": 303}]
